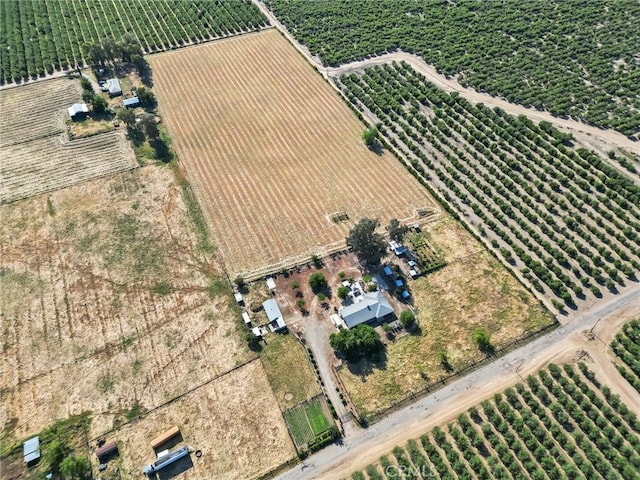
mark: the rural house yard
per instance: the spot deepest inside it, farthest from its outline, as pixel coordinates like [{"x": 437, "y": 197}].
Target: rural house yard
[
  {"x": 273, "y": 152},
  {"x": 37, "y": 155},
  {"x": 200, "y": 277}
]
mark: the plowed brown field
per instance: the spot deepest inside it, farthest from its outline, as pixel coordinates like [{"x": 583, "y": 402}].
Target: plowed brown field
[{"x": 273, "y": 151}]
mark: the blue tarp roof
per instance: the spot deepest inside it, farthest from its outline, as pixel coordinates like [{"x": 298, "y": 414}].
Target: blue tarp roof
[
  {"x": 399, "y": 283},
  {"x": 387, "y": 271},
  {"x": 405, "y": 294}
]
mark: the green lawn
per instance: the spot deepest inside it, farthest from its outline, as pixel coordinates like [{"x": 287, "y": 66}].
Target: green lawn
[
  {"x": 307, "y": 421},
  {"x": 317, "y": 420}
]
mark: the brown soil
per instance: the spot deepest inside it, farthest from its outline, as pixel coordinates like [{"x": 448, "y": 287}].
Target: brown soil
[
  {"x": 244, "y": 123},
  {"x": 234, "y": 421},
  {"x": 104, "y": 303}
]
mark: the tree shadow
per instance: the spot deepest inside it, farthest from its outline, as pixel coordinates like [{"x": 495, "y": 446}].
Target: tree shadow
[
  {"x": 366, "y": 366},
  {"x": 376, "y": 148},
  {"x": 176, "y": 468}
]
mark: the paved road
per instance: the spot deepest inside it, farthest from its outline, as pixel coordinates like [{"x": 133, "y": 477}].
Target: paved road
[{"x": 366, "y": 445}]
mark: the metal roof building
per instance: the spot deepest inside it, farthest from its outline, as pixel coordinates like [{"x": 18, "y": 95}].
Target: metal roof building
[
  {"x": 131, "y": 102},
  {"x": 31, "y": 449},
  {"x": 113, "y": 87},
  {"x": 276, "y": 321},
  {"x": 374, "y": 306},
  {"x": 78, "y": 110}
]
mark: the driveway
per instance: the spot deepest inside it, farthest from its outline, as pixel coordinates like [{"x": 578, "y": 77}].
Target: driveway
[
  {"x": 316, "y": 331},
  {"x": 364, "y": 446}
]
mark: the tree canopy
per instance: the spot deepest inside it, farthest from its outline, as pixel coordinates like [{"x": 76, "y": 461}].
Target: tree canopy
[
  {"x": 355, "y": 343},
  {"x": 317, "y": 282},
  {"x": 366, "y": 243},
  {"x": 407, "y": 319},
  {"x": 370, "y": 137},
  {"x": 483, "y": 340},
  {"x": 396, "y": 230}
]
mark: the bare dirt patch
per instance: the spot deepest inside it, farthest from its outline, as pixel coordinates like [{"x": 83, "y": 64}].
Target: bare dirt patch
[
  {"x": 106, "y": 302},
  {"x": 273, "y": 152},
  {"x": 37, "y": 155},
  {"x": 234, "y": 421}
]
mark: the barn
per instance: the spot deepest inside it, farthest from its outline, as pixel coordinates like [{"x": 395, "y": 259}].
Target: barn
[
  {"x": 132, "y": 102},
  {"x": 113, "y": 87}
]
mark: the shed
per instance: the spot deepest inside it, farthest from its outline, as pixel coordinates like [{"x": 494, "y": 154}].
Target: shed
[
  {"x": 387, "y": 271},
  {"x": 78, "y": 111},
  {"x": 337, "y": 321},
  {"x": 31, "y": 450},
  {"x": 132, "y": 102},
  {"x": 106, "y": 450},
  {"x": 271, "y": 283},
  {"x": 257, "y": 331},
  {"x": 164, "y": 437},
  {"x": 276, "y": 321},
  {"x": 246, "y": 318},
  {"x": 238, "y": 297},
  {"x": 113, "y": 87}
]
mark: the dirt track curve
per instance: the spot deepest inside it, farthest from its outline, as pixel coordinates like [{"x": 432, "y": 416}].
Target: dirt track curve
[{"x": 592, "y": 137}]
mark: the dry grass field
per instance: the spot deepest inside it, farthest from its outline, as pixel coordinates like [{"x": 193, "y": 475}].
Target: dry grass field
[
  {"x": 235, "y": 421},
  {"x": 107, "y": 300},
  {"x": 290, "y": 374},
  {"x": 36, "y": 155},
  {"x": 472, "y": 291},
  {"x": 273, "y": 152}
]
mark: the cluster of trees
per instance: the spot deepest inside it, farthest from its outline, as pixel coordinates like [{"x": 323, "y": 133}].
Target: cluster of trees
[
  {"x": 564, "y": 217},
  {"x": 145, "y": 126},
  {"x": 626, "y": 345},
  {"x": 554, "y": 426},
  {"x": 107, "y": 50},
  {"x": 368, "y": 244},
  {"x": 98, "y": 102},
  {"x": 41, "y": 36},
  {"x": 357, "y": 342},
  {"x": 575, "y": 59}
]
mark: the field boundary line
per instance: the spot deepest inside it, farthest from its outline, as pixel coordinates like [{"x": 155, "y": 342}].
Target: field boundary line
[
  {"x": 183, "y": 394},
  {"x": 473, "y": 365}
]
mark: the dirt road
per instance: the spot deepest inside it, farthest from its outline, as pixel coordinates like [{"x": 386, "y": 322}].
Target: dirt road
[
  {"x": 593, "y": 137},
  {"x": 366, "y": 446}
]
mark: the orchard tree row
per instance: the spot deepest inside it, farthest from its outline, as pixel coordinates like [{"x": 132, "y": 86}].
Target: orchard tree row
[
  {"x": 568, "y": 220},
  {"x": 560, "y": 424},
  {"x": 626, "y": 345},
  {"x": 573, "y": 58},
  {"x": 38, "y": 37}
]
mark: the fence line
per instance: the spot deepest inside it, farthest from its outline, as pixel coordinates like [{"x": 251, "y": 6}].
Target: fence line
[
  {"x": 183, "y": 394},
  {"x": 365, "y": 420}
]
